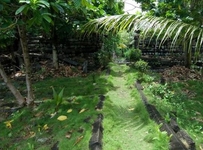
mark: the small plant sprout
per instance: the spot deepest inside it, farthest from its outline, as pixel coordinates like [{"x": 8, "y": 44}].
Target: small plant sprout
[
  {"x": 58, "y": 98},
  {"x": 30, "y": 146}
]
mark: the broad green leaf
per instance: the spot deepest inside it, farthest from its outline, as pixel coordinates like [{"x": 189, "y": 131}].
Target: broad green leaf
[
  {"x": 53, "y": 5},
  {"x": 59, "y": 8},
  {"x": 25, "y": 1},
  {"x": 60, "y": 97},
  {"x": 45, "y": 3},
  {"x": 19, "y": 10},
  {"x": 1, "y": 7},
  {"x": 77, "y": 3},
  {"x": 47, "y": 18},
  {"x": 55, "y": 96}
]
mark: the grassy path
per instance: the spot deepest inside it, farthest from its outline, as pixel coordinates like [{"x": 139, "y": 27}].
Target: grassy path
[{"x": 124, "y": 128}]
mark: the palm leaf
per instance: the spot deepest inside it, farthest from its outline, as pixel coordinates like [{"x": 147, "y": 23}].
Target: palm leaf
[{"x": 162, "y": 28}]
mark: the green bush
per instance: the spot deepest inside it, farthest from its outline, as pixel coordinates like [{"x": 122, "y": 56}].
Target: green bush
[
  {"x": 133, "y": 54},
  {"x": 141, "y": 66},
  {"x": 104, "y": 57}
]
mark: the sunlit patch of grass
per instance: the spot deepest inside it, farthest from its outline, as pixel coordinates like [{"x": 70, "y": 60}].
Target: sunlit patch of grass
[{"x": 126, "y": 121}]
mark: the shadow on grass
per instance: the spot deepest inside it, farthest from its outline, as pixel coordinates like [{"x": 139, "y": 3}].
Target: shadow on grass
[
  {"x": 124, "y": 128},
  {"x": 126, "y": 117},
  {"x": 76, "y": 86}
]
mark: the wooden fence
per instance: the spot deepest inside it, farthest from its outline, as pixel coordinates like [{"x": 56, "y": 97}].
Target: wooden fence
[{"x": 164, "y": 55}]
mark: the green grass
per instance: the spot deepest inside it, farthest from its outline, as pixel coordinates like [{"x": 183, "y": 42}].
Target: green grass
[
  {"x": 126, "y": 122},
  {"x": 28, "y": 125}
]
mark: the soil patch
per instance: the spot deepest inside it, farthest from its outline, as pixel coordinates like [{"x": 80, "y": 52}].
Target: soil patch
[{"x": 179, "y": 73}]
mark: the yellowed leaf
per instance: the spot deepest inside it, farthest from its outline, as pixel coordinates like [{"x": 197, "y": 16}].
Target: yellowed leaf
[
  {"x": 68, "y": 135},
  {"x": 53, "y": 114},
  {"x": 69, "y": 110},
  {"x": 62, "y": 118},
  {"x": 39, "y": 114},
  {"x": 32, "y": 134},
  {"x": 131, "y": 109},
  {"x": 8, "y": 124},
  {"x": 82, "y": 110},
  {"x": 45, "y": 127},
  {"x": 78, "y": 140}
]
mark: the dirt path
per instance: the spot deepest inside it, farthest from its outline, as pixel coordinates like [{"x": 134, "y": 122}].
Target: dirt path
[{"x": 123, "y": 130}]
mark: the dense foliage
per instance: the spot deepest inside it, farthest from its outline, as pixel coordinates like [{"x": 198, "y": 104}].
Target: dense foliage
[{"x": 188, "y": 11}]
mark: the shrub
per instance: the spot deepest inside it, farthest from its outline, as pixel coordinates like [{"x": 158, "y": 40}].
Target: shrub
[
  {"x": 133, "y": 54},
  {"x": 141, "y": 66},
  {"x": 104, "y": 57}
]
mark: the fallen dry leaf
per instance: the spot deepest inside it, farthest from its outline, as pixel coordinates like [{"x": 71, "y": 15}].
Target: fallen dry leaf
[
  {"x": 32, "y": 134},
  {"x": 69, "y": 110},
  {"x": 62, "y": 118},
  {"x": 69, "y": 134},
  {"x": 82, "y": 110},
  {"x": 78, "y": 140},
  {"x": 45, "y": 127},
  {"x": 39, "y": 114},
  {"x": 8, "y": 124},
  {"x": 131, "y": 109},
  {"x": 53, "y": 114}
]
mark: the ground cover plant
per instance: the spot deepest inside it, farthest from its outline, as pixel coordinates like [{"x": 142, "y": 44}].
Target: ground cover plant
[{"x": 179, "y": 97}]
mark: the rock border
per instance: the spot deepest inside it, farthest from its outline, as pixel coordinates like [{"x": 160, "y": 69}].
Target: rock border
[
  {"x": 95, "y": 142},
  {"x": 180, "y": 140}
]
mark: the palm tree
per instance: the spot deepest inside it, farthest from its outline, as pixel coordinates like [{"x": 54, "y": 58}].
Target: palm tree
[{"x": 159, "y": 27}]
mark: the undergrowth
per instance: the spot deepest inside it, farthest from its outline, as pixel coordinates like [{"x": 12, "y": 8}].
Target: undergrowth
[{"x": 181, "y": 100}]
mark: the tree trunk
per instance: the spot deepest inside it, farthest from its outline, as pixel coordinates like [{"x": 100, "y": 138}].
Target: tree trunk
[
  {"x": 20, "y": 99},
  {"x": 24, "y": 46},
  {"x": 55, "y": 56},
  {"x": 188, "y": 54},
  {"x": 54, "y": 48}
]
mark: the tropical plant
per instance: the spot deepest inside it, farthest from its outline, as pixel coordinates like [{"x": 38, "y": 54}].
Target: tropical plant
[
  {"x": 151, "y": 26},
  {"x": 58, "y": 98},
  {"x": 141, "y": 66},
  {"x": 133, "y": 54},
  {"x": 50, "y": 18}
]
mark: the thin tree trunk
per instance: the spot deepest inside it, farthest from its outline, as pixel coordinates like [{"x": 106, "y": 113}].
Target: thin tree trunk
[
  {"x": 55, "y": 57},
  {"x": 24, "y": 46},
  {"x": 54, "y": 48},
  {"x": 20, "y": 99},
  {"x": 188, "y": 53}
]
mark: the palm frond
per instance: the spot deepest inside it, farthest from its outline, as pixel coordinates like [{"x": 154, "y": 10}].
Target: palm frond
[{"x": 161, "y": 28}]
